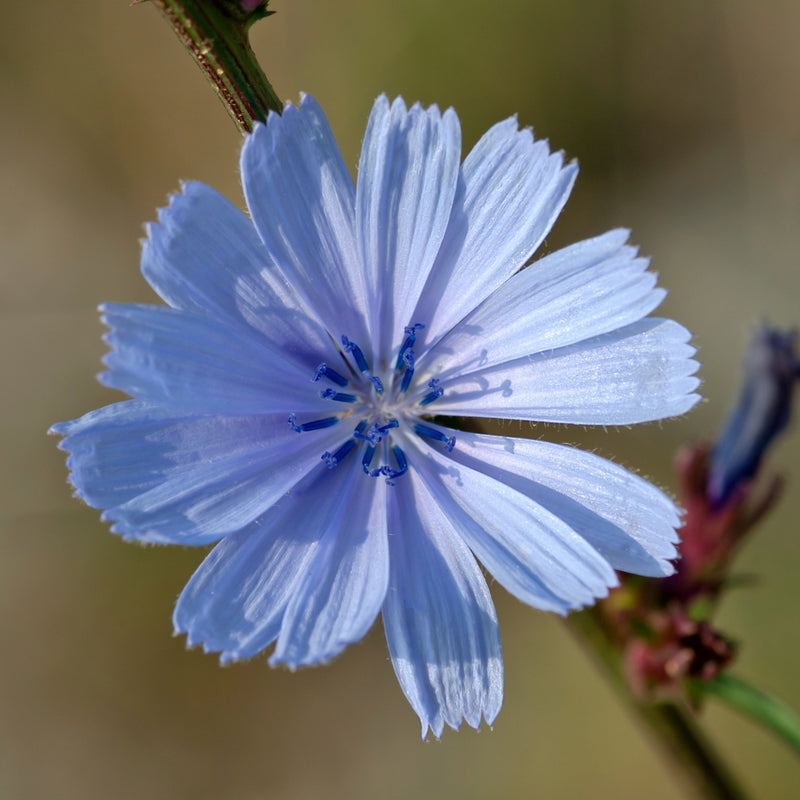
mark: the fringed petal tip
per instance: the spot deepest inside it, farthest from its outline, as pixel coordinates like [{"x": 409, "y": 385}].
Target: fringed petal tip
[
  {"x": 383, "y": 105},
  {"x": 668, "y": 567},
  {"x": 59, "y": 429},
  {"x": 436, "y": 727},
  {"x": 228, "y": 657},
  {"x": 193, "y": 642},
  {"x": 511, "y": 127},
  {"x": 308, "y": 660},
  {"x": 574, "y": 606},
  {"x": 307, "y": 103}
]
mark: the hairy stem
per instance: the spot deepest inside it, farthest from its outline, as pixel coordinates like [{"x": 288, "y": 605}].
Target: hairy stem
[{"x": 216, "y": 36}]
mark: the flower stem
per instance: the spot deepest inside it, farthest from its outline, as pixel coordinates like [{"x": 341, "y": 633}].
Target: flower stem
[
  {"x": 216, "y": 36},
  {"x": 692, "y": 758}
]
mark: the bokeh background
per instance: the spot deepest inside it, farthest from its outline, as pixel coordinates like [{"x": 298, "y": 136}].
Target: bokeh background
[{"x": 684, "y": 117}]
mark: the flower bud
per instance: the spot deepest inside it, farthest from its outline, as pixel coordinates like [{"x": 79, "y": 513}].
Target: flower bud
[{"x": 762, "y": 411}]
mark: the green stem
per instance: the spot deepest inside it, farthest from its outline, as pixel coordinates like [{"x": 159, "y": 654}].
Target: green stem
[
  {"x": 216, "y": 36},
  {"x": 692, "y": 757}
]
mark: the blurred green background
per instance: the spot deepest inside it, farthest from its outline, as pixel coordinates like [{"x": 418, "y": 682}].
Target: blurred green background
[{"x": 685, "y": 119}]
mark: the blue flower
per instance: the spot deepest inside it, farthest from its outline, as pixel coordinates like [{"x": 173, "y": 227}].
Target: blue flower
[{"x": 292, "y": 401}]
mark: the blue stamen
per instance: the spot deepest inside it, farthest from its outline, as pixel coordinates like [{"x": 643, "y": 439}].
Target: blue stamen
[
  {"x": 389, "y": 472},
  {"x": 367, "y": 459},
  {"x": 435, "y": 393},
  {"x": 358, "y": 433},
  {"x": 409, "y": 374},
  {"x": 400, "y": 457},
  {"x": 407, "y": 346},
  {"x": 316, "y": 425},
  {"x": 323, "y": 370},
  {"x": 361, "y": 363},
  {"x": 360, "y": 428},
  {"x": 358, "y": 355},
  {"x": 438, "y": 436},
  {"x": 376, "y": 433},
  {"x": 341, "y": 397},
  {"x": 369, "y": 436},
  {"x": 392, "y": 423},
  {"x": 339, "y": 456}
]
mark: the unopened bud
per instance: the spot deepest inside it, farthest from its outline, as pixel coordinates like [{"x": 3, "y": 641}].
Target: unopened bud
[{"x": 762, "y": 411}]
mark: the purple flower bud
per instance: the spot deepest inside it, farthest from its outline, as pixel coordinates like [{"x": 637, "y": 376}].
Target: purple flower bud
[{"x": 762, "y": 411}]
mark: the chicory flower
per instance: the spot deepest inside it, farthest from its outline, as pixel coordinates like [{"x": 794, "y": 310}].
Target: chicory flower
[{"x": 294, "y": 400}]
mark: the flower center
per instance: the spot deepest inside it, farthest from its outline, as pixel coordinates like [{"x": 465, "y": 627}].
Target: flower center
[{"x": 380, "y": 409}]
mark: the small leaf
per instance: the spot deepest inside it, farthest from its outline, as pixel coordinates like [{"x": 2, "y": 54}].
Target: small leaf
[{"x": 759, "y": 706}]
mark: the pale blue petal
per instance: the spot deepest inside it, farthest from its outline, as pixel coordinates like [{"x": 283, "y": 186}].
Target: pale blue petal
[
  {"x": 343, "y": 584},
  {"x": 406, "y": 183},
  {"x": 641, "y": 372},
  {"x": 530, "y": 551},
  {"x": 440, "y": 622},
  {"x": 511, "y": 191},
  {"x": 585, "y": 290},
  {"x": 163, "y": 477},
  {"x": 118, "y": 451},
  {"x": 238, "y": 598},
  {"x": 193, "y": 362},
  {"x": 204, "y": 256},
  {"x": 235, "y": 601},
  {"x": 302, "y": 201},
  {"x": 626, "y": 519}
]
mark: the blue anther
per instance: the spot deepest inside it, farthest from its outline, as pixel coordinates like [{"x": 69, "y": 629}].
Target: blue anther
[
  {"x": 367, "y": 459},
  {"x": 436, "y": 435},
  {"x": 323, "y": 370},
  {"x": 390, "y": 472},
  {"x": 400, "y": 457},
  {"x": 382, "y": 430},
  {"x": 409, "y": 374},
  {"x": 407, "y": 346},
  {"x": 339, "y": 456},
  {"x": 352, "y": 347},
  {"x": 375, "y": 434},
  {"x": 315, "y": 425},
  {"x": 361, "y": 432},
  {"x": 340, "y": 397},
  {"x": 435, "y": 393},
  {"x": 361, "y": 363}
]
